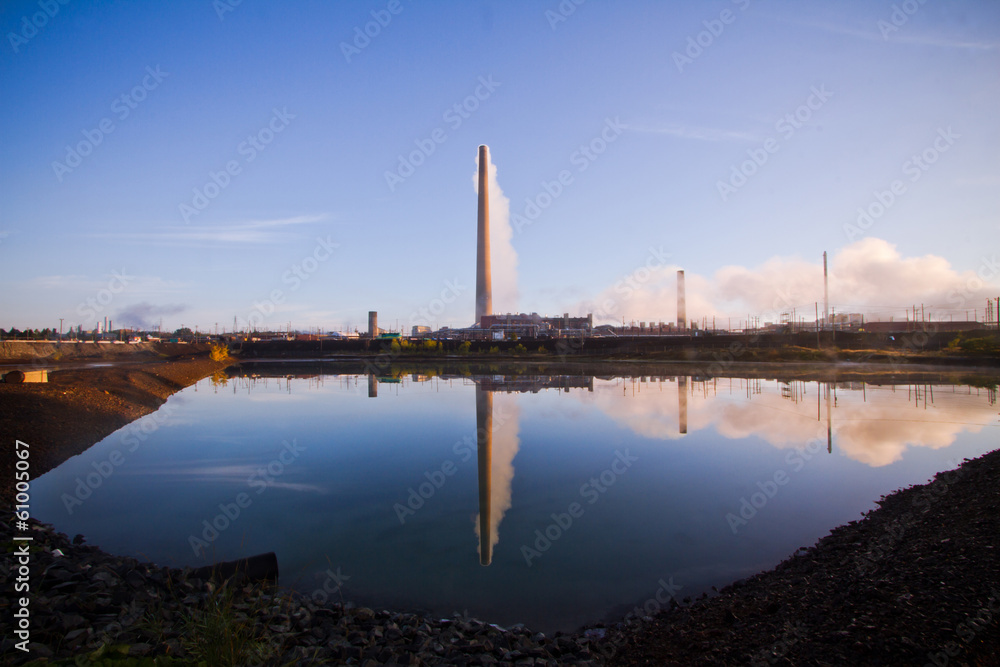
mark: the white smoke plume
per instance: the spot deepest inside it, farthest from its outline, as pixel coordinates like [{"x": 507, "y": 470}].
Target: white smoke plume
[
  {"x": 869, "y": 277},
  {"x": 503, "y": 257}
]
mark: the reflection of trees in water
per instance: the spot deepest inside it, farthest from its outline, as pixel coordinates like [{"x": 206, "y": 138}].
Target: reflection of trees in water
[{"x": 219, "y": 379}]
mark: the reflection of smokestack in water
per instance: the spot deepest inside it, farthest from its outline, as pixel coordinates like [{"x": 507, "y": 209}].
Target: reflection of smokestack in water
[
  {"x": 829, "y": 422},
  {"x": 682, "y": 403},
  {"x": 484, "y": 438},
  {"x": 484, "y": 289},
  {"x": 372, "y": 386},
  {"x": 681, "y": 302}
]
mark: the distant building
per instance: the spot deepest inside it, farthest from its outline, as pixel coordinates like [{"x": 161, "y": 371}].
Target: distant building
[
  {"x": 421, "y": 330},
  {"x": 534, "y": 325}
]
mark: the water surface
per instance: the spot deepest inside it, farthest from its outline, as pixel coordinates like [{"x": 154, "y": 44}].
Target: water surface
[{"x": 553, "y": 501}]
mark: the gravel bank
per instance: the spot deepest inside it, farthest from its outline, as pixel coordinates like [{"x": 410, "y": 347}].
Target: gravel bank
[
  {"x": 916, "y": 581},
  {"x": 76, "y": 408}
]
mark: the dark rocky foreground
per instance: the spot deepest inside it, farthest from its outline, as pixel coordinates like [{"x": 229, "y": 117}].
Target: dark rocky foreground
[
  {"x": 916, "y": 582},
  {"x": 83, "y": 599}
]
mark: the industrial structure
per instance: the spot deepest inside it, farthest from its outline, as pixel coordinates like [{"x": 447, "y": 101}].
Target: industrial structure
[
  {"x": 681, "y": 301},
  {"x": 484, "y": 288}
]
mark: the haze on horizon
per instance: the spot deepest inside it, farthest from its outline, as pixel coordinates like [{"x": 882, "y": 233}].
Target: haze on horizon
[{"x": 197, "y": 162}]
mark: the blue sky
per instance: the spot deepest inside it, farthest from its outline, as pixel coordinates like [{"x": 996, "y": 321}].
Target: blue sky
[{"x": 735, "y": 140}]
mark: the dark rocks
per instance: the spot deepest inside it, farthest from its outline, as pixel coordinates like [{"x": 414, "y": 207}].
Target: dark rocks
[
  {"x": 86, "y": 602},
  {"x": 915, "y": 582}
]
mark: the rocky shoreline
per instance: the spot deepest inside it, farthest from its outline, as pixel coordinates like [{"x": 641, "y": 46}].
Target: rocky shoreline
[
  {"x": 87, "y": 604},
  {"x": 916, "y": 581}
]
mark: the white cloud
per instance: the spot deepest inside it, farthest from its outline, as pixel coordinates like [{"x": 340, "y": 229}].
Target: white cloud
[
  {"x": 243, "y": 232},
  {"x": 869, "y": 276}
]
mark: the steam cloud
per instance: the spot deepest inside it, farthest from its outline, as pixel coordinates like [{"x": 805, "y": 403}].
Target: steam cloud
[
  {"x": 145, "y": 315},
  {"x": 869, "y": 276},
  {"x": 503, "y": 257}
]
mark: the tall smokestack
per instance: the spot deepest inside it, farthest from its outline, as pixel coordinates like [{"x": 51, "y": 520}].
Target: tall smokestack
[
  {"x": 484, "y": 289},
  {"x": 681, "y": 302},
  {"x": 826, "y": 294}
]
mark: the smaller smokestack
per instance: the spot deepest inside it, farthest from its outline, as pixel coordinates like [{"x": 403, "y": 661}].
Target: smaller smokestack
[
  {"x": 826, "y": 294},
  {"x": 372, "y": 324},
  {"x": 681, "y": 302}
]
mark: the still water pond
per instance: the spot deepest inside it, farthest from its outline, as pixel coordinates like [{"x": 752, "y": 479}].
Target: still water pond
[{"x": 552, "y": 501}]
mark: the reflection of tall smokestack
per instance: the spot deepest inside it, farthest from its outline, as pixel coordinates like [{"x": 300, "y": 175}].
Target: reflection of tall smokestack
[
  {"x": 681, "y": 302},
  {"x": 682, "y": 403},
  {"x": 484, "y": 438},
  {"x": 372, "y": 386},
  {"x": 829, "y": 422},
  {"x": 484, "y": 289}
]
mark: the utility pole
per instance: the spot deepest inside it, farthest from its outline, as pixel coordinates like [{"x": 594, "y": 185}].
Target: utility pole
[
  {"x": 817, "y": 325},
  {"x": 60, "y": 329}
]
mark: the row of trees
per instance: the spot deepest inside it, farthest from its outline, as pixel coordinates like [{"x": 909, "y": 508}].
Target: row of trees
[
  {"x": 52, "y": 334},
  {"x": 29, "y": 334}
]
